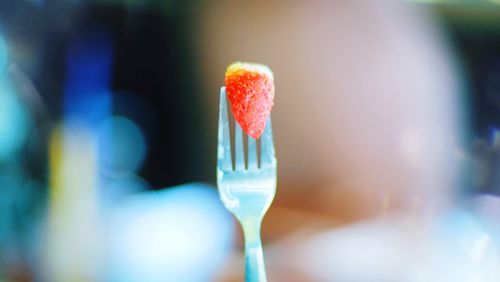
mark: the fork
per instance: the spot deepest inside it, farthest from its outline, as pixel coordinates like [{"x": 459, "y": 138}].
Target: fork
[{"x": 246, "y": 191}]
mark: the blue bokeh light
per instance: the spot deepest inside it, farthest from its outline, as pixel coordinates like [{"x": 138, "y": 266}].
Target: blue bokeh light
[
  {"x": 465, "y": 248},
  {"x": 122, "y": 146},
  {"x": 15, "y": 121},
  {"x": 180, "y": 234}
]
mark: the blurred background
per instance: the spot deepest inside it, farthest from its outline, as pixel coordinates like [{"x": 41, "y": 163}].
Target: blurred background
[{"x": 385, "y": 123}]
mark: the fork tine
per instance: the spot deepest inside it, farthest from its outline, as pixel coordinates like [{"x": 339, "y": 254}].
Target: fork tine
[
  {"x": 252, "y": 153},
  {"x": 267, "y": 154},
  {"x": 224, "y": 145},
  {"x": 239, "y": 153}
]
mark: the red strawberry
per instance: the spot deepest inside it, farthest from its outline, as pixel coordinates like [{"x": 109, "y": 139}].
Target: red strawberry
[{"x": 250, "y": 89}]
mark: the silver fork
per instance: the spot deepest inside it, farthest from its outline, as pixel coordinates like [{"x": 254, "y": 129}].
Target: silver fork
[{"x": 248, "y": 191}]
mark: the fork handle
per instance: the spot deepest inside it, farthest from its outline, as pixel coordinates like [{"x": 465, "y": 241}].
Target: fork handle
[{"x": 255, "y": 270}]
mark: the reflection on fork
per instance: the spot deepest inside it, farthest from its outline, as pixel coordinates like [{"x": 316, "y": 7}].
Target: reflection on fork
[{"x": 246, "y": 191}]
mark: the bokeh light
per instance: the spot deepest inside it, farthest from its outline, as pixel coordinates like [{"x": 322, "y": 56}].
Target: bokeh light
[
  {"x": 122, "y": 144},
  {"x": 182, "y": 234},
  {"x": 465, "y": 249},
  {"x": 15, "y": 120}
]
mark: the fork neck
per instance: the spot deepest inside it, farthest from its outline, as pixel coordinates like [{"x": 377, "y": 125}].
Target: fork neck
[
  {"x": 251, "y": 231},
  {"x": 255, "y": 270}
]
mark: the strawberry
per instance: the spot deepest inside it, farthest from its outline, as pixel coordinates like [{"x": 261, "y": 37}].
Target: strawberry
[{"x": 250, "y": 89}]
